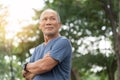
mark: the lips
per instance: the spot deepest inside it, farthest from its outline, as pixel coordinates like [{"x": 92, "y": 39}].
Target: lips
[{"x": 49, "y": 28}]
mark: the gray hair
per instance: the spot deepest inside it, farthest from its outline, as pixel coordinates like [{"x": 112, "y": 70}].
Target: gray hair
[{"x": 51, "y": 10}]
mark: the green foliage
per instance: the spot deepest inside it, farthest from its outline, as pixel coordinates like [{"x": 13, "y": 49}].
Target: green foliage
[
  {"x": 29, "y": 37},
  {"x": 87, "y": 18},
  {"x": 83, "y": 14},
  {"x": 81, "y": 19}
]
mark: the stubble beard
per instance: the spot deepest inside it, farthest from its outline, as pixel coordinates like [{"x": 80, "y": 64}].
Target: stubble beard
[{"x": 50, "y": 34}]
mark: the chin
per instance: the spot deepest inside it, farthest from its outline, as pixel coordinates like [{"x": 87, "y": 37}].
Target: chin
[{"x": 50, "y": 34}]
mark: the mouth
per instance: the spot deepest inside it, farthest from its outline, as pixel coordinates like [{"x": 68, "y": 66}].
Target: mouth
[{"x": 49, "y": 28}]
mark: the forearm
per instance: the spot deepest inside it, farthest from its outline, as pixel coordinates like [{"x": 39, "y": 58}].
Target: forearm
[
  {"x": 42, "y": 65},
  {"x": 37, "y": 67}
]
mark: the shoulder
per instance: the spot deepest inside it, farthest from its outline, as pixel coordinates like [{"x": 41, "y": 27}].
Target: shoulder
[
  {"x": 62, "y": 41},
  {"x": 39, "y": 46}
]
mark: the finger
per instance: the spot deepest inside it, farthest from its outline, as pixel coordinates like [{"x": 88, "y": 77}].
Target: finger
[{"x": 24, "y": 74}]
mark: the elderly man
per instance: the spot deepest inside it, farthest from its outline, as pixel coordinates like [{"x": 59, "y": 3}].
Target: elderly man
[{"x": 51, "y": 60}]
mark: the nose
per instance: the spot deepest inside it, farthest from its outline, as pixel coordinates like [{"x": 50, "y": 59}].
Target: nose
[{"x": 48, "y": 22}]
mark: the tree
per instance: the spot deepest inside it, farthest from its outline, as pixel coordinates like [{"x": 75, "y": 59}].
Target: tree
[
  {"x": 111, "y": 10},
  {"x": 87, "y": 20},
  {"x": 3, "y": 22},
  {"x": 29, "y": 37}
]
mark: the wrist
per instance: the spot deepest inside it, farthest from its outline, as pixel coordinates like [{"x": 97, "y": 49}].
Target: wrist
[{"x": 25, "y": 67}]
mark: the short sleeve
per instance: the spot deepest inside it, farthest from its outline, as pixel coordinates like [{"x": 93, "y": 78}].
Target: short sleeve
[
  {"x": 35, "y": 53},
  {"x": 33, "y": 56},
  {"x": 60, "y": 50}
]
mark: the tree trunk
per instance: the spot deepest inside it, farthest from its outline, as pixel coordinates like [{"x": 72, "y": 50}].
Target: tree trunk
[
  {"x": 76, "y": 74},
  {"x": 111, "y": 70},
  {"x": 116, "y": 35},
  {"x": 118, "y": 55},
  {"x": 111, "y": 76},
  {"x": 11, "y": 69},
  {"x": 73, "y": 76},
  {"x": 118, "y": 46}
]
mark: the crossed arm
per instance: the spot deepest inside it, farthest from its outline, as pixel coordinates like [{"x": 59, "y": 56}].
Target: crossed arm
[{"x": 41, "y": 66}]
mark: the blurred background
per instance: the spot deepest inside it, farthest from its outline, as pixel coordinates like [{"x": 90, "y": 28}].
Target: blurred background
[{"x": 93, "y": 27}]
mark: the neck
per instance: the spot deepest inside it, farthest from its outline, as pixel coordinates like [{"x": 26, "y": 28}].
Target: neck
[{"x": 48, "y": 38}]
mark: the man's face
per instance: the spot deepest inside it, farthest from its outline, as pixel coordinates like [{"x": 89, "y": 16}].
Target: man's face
[{"x": 49, "y": 23}]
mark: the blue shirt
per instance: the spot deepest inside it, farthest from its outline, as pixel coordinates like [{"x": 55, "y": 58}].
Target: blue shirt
[{"x": 60, "y": 49}]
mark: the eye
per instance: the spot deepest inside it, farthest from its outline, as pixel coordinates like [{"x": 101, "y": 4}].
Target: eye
[
  {"x": 52, "y": 18},
  {"x": 44, "y": 19}
]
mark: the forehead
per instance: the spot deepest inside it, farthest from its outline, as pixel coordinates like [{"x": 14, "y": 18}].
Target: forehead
[{"x": 48, "y": 14}]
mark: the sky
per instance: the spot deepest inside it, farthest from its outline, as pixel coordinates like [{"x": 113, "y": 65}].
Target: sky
[
  {"x": 20, "y": 13},
  {"x": 22, "y": 8}
]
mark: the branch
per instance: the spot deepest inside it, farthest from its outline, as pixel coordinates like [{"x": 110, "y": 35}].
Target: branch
[{"x": 108, "y": 8}]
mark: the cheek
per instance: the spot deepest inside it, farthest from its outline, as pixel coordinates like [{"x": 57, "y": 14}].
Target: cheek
[
  {"x": 58, "y": 26},
  {"x": 39, "y": 27}
]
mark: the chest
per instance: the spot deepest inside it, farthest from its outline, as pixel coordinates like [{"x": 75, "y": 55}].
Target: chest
[{"x": 40, "y": 52}]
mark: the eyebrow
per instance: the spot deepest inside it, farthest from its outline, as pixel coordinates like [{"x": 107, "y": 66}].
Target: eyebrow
[{"x": 48, "y": 17}]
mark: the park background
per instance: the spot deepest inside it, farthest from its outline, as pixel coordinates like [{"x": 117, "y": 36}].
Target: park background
[{"x": 93, "y": 27}]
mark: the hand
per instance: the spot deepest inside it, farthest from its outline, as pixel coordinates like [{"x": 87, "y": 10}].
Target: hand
[
  {"x": 28, "y": 75},
  {"x": 24, "y": 73}
]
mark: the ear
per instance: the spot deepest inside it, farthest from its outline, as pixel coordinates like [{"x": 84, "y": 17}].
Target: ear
[{"x": 60, "y": 24}]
